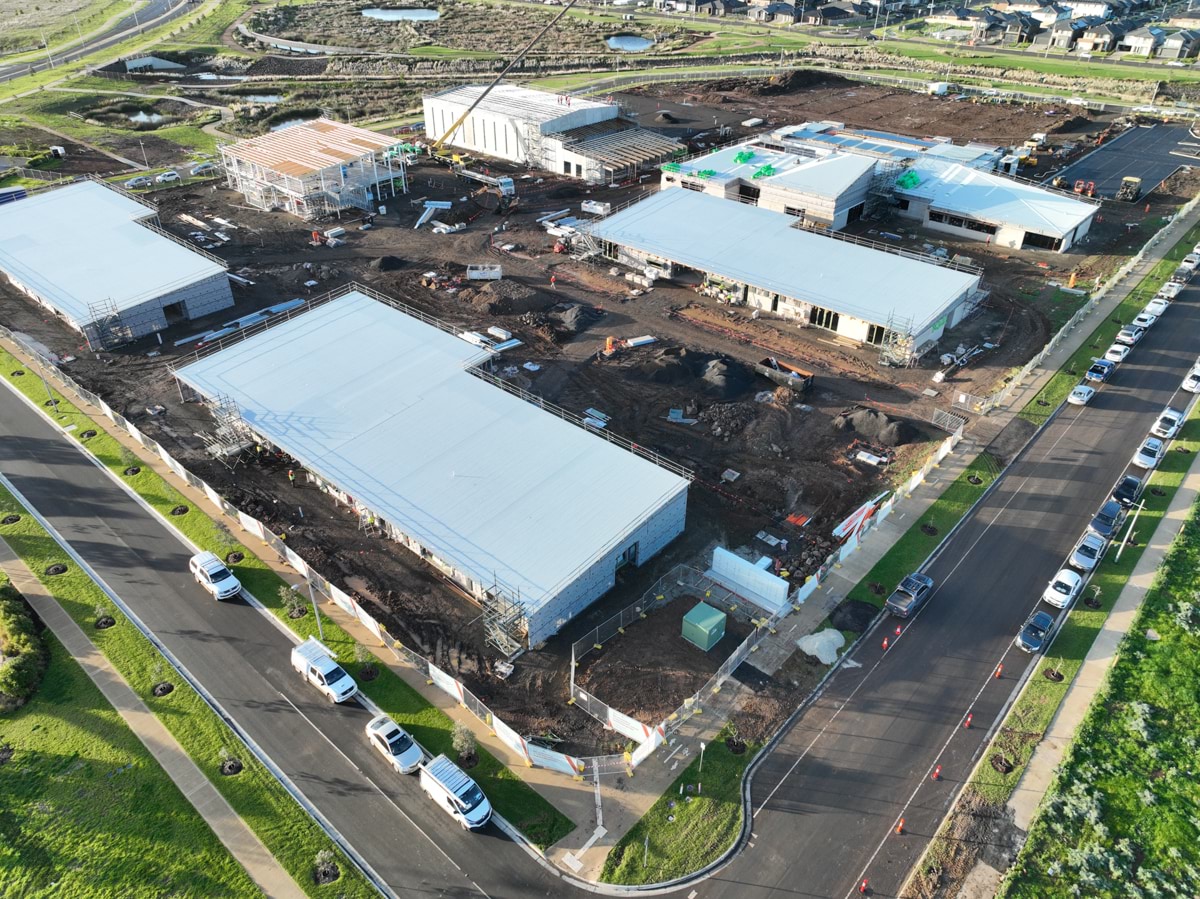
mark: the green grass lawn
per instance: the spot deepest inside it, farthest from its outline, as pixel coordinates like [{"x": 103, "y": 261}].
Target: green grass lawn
[
  {"x": 510, "y": 796},
  {"x": 86, "y": 811},
  {"x": 1121, "y": 818},
  {"x": 1055, "y": 391},
  {"x": 907, "y": 553},
  {"x": 658, "y": 848}
]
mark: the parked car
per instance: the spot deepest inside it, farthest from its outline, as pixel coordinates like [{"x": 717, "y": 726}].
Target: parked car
[
  {"x": 1100, "y": 371},
  {"x": 1191, "y": 262},
  {"x": 1107, "y": 520},
  {"x": 314, "y": 662},
  {"x": 395, "y": 744},
  {"x": 1157, "y": 307},
  {"x": 1150, "y": 453},
  {"x": 1117, "y": 352},
  {"x": 1035, "y": 633},
  {"x": 211, "y": 574},
  {"x": 1063, "y": 588},
  {"x": 1182, "y": 275},
  {"x": 141, "y": 182},
  {"x": 1144, "y": 320},
  {"x": 204, "y": 168},
  {"x": 910, "y": 595},
  {"x": 1169, "y": 422},
  {"x": 1191, "y": 383},
  {"x": 1130, "y": 334},
  {"x": 1088, "y": 552},
  {"x": 1081, "y": 395},
  {"x": 1128, "y": 490},
  {"x": 167, "y": 177},
  {"x": 1169, "y": 291},
  {"x": 446, "y": 784}
]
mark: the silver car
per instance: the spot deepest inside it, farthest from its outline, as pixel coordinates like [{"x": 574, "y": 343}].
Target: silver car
[
  {"x": 1149, "y": 454},
  {"x": 395, "y": 744},
  {"x": 1088, "y": 552},
  {"x": 1063, "y": 589},
  {"x": 1169, "y": 422}
]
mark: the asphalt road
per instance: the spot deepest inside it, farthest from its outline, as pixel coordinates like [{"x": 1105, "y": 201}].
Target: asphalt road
[
  {"x": 827, "y": 801},
  {"x": 115, "y": 35},
  {"x": 242, "y": 658},
  {"x": 1143, "y": 152}
]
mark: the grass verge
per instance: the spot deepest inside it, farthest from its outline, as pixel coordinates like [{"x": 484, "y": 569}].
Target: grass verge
[
  {"x": 541, "y": 822},
  {"x": 915, "y": 545},
  {"x": 285, "y": 829},
  {"x": 88, "y": 812},
  {"x": 685, "y": 830},
  {"x": 1120, "y": 818},
  {"x": 1055, "y": 391}
]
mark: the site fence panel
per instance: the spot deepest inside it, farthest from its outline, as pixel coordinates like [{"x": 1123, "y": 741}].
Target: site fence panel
[
  {"x": 517, "y": 744},
  {"x": 807, "y": 589},
  {"x": 370, "y": 623},
  {"x": 341, "y": 599},
  {"x": 445, "y": 682}
]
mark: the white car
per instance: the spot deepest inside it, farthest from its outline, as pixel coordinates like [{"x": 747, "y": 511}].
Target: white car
[
  {"x": 1191, "y": 262},
  {"x": 1130, "y": 334},
  {"x": 1192, "y": 382},
  {"x": 211, "y": 574},
  {"x": 167, "y": 177},
  {"x": 1169, "y": 291},
  {"x": 1077, "y": 101},
  {"x": 1157, "y": 307},
  {"x": 1063, "y": 589},
  {"x": 395, "y": 744},
  {"x": 1144, "y": 320},
  {"x": 1081, "y": 395},
  {"x": 1149, "y": 454},
  {"x": 1168, "y": 424},
  {"x": 1117, "y": 352}
]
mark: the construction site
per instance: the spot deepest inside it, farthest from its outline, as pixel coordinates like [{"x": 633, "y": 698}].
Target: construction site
[{"x": 785, "y": 428}]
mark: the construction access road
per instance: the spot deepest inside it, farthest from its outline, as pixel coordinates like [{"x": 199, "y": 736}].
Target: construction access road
[
  {"x": 241, "y": 657},
  {"x": 825, "y": 802}
]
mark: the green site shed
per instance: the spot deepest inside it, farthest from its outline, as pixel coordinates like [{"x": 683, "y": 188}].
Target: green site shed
[{"x": 704, "y": 626}]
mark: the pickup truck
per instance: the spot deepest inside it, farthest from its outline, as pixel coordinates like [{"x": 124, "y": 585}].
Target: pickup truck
[
  {"x": 314, "y": 661},
  {"x": 910, "y": 595}
]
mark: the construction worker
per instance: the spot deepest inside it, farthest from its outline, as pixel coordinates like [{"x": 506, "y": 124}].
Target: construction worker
[
  {"x": 291, "y": 477},
  {"x": 553, "y": 282}
]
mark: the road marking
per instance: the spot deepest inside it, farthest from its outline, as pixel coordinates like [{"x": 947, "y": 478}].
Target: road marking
[
  {"x": 599, "y": 804},
  {"x": 380, "y": 791}
]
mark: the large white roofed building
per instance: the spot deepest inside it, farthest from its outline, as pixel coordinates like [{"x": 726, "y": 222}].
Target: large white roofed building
[
  {"x": 95, "y": 256},
  {"x": 529, "y": 513},
  {"x": 759, "y": 258}
]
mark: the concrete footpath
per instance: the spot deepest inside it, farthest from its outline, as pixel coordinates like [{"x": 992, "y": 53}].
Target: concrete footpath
[
  {"x": 230, "y": 829},
  {"x": 1090, "y": 678}
]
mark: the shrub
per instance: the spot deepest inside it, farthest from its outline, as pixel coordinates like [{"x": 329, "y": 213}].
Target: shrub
[
  {"x": 22, "y": 653},
  {"x": 463, "y": 740}
]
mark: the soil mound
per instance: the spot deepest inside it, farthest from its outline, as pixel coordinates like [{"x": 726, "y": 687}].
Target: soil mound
[
  {"x": 665, "y": 116},
  {"x": 853, "y": 615},
  {"x": 387, "y": 264},
  {"x": 571, "y": 318},
  {"x": 508, "y": 297},
  {"x": 876, "y": 427},
  {"x": 720, "y": 377}
]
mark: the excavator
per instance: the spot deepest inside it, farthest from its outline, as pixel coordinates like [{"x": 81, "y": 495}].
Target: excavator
[{"x": 503, "y": 188}]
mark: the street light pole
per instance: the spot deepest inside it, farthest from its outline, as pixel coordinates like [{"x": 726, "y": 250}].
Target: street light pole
[
  {"x": 312, "y": 597},
  {"x": 700, "y": 773}
]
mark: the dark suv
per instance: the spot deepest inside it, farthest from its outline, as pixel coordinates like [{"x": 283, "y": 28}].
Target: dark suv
[
  {"x": 1107, "y": 521},
  {"x": 1128, "y": 490},
  {"x": 910, "y": 595}
]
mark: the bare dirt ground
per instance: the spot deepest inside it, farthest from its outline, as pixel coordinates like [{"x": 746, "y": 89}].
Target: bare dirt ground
[
  {"x": 792, "y": 458},
  {"x": 29, "y": 140}
]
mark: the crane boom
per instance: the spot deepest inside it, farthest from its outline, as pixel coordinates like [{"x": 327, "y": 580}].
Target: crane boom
[{"x": 487, "y": 90}]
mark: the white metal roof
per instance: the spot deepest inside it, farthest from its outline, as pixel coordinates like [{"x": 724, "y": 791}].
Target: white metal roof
[
  {"x": 518, "y": 102},
  {"x": 383, "y": 405},
  {"x": 722, "y": 166},
  {"x": 828, "y": 176},
  {"x": 83, "y": 244},
  {"x": 761, "y": 248},
  {"x": 994, "y": 198}
]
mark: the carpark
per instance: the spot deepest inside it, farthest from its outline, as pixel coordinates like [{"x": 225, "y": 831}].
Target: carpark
[{"x": 1145, "y": 152}]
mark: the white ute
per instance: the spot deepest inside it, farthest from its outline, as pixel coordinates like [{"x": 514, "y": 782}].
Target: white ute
[
  {"x": 315, "y": 663},
  {"x": 446, "y": 784},
  {"x": 211, "y": 574}
]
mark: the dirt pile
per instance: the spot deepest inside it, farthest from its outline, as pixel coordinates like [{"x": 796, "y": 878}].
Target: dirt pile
[
  {"x": 572, "y": 318},
  {"x": 387, "y": 264},
  {"x": 873, "y": 425},
  {"x": 509, "y": 297},
  {"x": 728, "y": 419},
  {"x": 720, "y": 376}
]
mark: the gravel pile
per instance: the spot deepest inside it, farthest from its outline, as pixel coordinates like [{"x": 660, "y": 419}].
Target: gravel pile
[{"x": 872, "y": 425}]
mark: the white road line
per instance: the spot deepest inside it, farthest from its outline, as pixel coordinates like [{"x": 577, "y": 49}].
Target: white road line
[
  {"x": 380, "y": 791},
  {"x": 599, "y": 804}
]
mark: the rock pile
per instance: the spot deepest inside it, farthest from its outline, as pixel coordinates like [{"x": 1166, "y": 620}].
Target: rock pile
[{"x": 728, "y": 419}]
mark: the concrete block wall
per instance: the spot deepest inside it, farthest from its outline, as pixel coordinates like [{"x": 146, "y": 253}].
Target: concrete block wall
[{"x": 202, "y": 297}]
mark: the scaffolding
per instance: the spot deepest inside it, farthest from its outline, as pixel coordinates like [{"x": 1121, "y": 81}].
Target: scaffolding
[
  {"x": 232, "y": 436},
  {"x": 896, "y": 348},
  {"x": 504, "y": 623},
  {"x": 881, "y": 194},
  {"x": 105, "y": 327}
]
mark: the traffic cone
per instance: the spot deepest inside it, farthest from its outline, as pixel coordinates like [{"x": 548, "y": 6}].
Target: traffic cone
[
  {"x": 937, "y": 773},
  {"x": 885, "y": 644},
  {"x": 897, "y": 630},
  {"x": 967, "y": 723},
  {"x": 862, "y": 887},
  {"x": 900, "y": 826},
  {"x": 999, "y": 670}
]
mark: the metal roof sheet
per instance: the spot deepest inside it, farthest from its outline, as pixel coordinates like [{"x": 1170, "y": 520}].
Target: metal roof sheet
[{"x": 385, "y": 407}]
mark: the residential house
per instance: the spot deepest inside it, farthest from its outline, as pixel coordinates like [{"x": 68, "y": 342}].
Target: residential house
[
  {"x": 1061, "y": 35},
  {"x": 1100, "y": 38},
  {"x": 1050, "y": 13},
  {"x": 958, "y": 15},
  {"x": 1180, "y": 45},
  {"x": 841, "y": 11},
  {"x": 714, "y": 8},
  {"x": 1142, "y": 41},
  {"x": 1080, "y": 8},
  {"x": 1005, "y": 28},
  {"x": 779, "y": 13}
]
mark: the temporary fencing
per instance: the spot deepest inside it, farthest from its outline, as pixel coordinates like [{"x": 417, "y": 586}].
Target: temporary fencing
[{"x": 531, "y": 753}]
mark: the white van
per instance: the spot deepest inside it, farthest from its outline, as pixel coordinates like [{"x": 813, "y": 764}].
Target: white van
[{"x": 446, "y": 784}]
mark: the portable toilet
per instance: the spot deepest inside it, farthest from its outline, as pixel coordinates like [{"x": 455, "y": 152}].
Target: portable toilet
[{"x": 704, "y": 626}]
